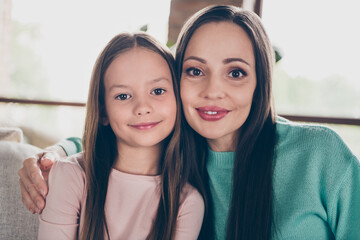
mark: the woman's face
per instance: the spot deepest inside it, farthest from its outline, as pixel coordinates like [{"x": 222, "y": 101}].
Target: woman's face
[{"x": 218, "y": 82}]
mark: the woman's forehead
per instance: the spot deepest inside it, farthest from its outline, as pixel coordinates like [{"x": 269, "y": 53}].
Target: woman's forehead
[{"x": 222, "y": 39}]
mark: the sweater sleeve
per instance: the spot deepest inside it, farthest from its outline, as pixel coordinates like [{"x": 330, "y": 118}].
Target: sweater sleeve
[
  {"x": 344, "y": 212},
  {"x": 71, "y": 145},
  {"x": 61, "y": 215},
  {"x": 190, "y": 216}
]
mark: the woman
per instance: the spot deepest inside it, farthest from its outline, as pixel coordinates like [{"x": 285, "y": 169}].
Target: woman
[
  {"x": 267, "y": 178},
  {"x": 289, "y": 181}
]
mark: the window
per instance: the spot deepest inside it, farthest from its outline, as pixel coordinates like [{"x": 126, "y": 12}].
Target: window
[
  {"x": 318, "y": 73},
  {"x": 48, "y": 49},
  {"x": 52, "y": 47}
]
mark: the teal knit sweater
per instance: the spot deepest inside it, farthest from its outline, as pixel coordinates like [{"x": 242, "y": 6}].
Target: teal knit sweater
[{"x": 316, "y": 184}]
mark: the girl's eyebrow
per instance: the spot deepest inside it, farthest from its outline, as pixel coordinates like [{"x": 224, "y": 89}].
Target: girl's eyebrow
[
  {"x": 156, "y": 80},
  {"x": 118, "y": 86}
]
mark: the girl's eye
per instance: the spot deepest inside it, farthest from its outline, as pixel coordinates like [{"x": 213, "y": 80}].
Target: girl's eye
[
  {"x": 158, "y": 91},
  {"x": 194, "y": 72},
  {"x": 237, "y": 74},
  {"x": 123, "y": 96}
]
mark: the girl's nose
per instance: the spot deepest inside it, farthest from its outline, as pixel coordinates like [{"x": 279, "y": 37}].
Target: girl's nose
[
  {"x": 143, "y": 112},
  {"x": 143, "y": 108}
]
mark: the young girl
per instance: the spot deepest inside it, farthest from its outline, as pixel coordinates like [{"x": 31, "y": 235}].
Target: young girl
[{"x": 130, "y": 181}]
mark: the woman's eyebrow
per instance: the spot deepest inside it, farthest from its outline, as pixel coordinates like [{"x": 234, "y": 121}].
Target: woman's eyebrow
[
  {"x": 229, "y": 60},
  {"x": 225, "y": 61},
  {"x": 195, "y": 58}
]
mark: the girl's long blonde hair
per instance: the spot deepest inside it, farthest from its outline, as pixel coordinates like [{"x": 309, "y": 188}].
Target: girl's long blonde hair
[{"x": 100, "y": 148}]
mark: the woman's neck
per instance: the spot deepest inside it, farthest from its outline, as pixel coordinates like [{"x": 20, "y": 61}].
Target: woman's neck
[
  {"x": 226, "y": 143},
  {"x": 138, "y": 160}
]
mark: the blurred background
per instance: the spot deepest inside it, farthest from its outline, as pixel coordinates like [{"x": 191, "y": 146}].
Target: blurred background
[{"x": 48, "y": 49}]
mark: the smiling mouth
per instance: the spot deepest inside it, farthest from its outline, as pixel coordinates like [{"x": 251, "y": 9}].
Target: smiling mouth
[
  {"x": 212, "y": 113},
  {"x": 145, "y": 126}
]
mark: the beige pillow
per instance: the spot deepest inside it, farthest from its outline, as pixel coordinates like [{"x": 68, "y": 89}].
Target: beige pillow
[
  {"x": 16, "y": 222},
  {"x": 11, "y": 134}
]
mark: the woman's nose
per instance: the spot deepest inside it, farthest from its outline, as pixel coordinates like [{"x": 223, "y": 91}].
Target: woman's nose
[{"x": 213, "y": 89}]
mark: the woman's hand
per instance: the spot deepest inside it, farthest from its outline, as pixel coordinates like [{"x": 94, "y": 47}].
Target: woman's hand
[{"x": 33, "y": 176}]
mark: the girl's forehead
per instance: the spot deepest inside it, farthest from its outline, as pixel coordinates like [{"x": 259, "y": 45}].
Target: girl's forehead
[
  {"x": 139, "y": 55},
  {"x": 141, "y": 50},
  {"x": 137, "y": 65}
]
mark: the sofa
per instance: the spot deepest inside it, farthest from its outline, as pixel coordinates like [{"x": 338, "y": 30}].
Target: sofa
[{"x": 16, "y": 222}]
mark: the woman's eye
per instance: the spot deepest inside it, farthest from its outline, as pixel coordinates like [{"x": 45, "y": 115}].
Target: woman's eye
[
  {"x": 194, "y": 72},
  {"x": 158, "y": 91},
  {"x": 123, "y": 96},
  {"x": 237, "y": 74}
]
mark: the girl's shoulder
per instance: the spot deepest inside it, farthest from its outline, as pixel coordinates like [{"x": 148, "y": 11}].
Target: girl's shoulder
[
  {"x": 190, "y": 195},
  {"x": 74, "y": 161},
  {"x": 70, "y": 170},
  {"x": 66, "y": 192},
  {"x": 191, "y": 213}
]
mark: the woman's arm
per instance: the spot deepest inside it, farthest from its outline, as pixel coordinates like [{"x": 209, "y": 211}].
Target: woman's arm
[{"x": 344, "y": 211}]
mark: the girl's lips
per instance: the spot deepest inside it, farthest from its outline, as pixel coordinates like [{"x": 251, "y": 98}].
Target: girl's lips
[
  {"x": 144, "y": 126},
  {"x": 212, "y": 113}
]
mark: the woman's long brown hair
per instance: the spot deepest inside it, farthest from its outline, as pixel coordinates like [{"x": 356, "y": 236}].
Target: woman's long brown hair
[
  {"x": 250, "y": 213},
  {"x": 100, "y": 148}
]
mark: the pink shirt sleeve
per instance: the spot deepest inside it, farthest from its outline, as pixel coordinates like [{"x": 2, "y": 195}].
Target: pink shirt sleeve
[
  {"x": 191, "y": 214},
  {"x": 60, "y": 217}
]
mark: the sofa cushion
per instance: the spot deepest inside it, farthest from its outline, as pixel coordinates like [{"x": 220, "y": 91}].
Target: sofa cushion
[
  {"x": 16, "y": 222},
  {"x": 11, "y": 134}
]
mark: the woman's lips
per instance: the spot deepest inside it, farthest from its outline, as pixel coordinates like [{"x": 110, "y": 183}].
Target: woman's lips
[
  {"x": 212, "y": 113},
  {"x": 144, "y": 126}
]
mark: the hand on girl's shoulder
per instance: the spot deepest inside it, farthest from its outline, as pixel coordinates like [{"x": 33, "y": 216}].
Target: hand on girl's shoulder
[
  {"x": 66, "y": 193},
  {"x": 67, "y": 176}
]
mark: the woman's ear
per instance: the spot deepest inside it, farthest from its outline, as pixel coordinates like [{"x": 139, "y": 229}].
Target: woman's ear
[{"x": 104, "y": 120}]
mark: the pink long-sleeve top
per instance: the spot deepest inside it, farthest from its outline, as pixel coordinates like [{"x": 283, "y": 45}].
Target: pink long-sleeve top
[{"x": 130, "y": 207}]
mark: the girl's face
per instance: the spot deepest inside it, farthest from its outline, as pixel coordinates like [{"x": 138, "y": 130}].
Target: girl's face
[
  {"x": 139, "y": 98},
  {"x": 218, "y": 82}
]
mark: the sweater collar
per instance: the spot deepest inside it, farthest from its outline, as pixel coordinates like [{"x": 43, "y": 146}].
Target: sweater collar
[{"x": 220, "y": 159}]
